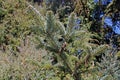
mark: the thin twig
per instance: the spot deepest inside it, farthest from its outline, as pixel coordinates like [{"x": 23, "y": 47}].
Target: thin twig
[{"x": 36, "y": 11}]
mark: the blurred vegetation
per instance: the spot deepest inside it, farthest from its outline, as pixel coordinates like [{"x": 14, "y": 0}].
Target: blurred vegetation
[
  {"x": 15, "y": 23},
  {"x": 58, "y": 40}
]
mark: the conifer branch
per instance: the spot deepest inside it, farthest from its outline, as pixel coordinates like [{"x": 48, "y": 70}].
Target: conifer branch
[{"x": 35, "y": 10}]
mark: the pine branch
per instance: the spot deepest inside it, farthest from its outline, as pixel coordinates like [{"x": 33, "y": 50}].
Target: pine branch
[{"x": 34, "y": 9}]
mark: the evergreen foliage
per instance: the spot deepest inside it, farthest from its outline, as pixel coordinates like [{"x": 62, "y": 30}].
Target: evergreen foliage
[
  {"x": 63, "y": 42},
  {"x": 14, "y": 24},
  {"x": 109, "y": 67},
  {"x": 59, "y": 40}
]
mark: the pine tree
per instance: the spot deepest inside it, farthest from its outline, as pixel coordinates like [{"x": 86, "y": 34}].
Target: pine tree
[
  {"x": 109, "y": 67},
  {"x": 69, "y": 46}
]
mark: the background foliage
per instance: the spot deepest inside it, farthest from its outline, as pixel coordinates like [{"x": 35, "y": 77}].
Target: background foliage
[{"x": 59, "y": 40}]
